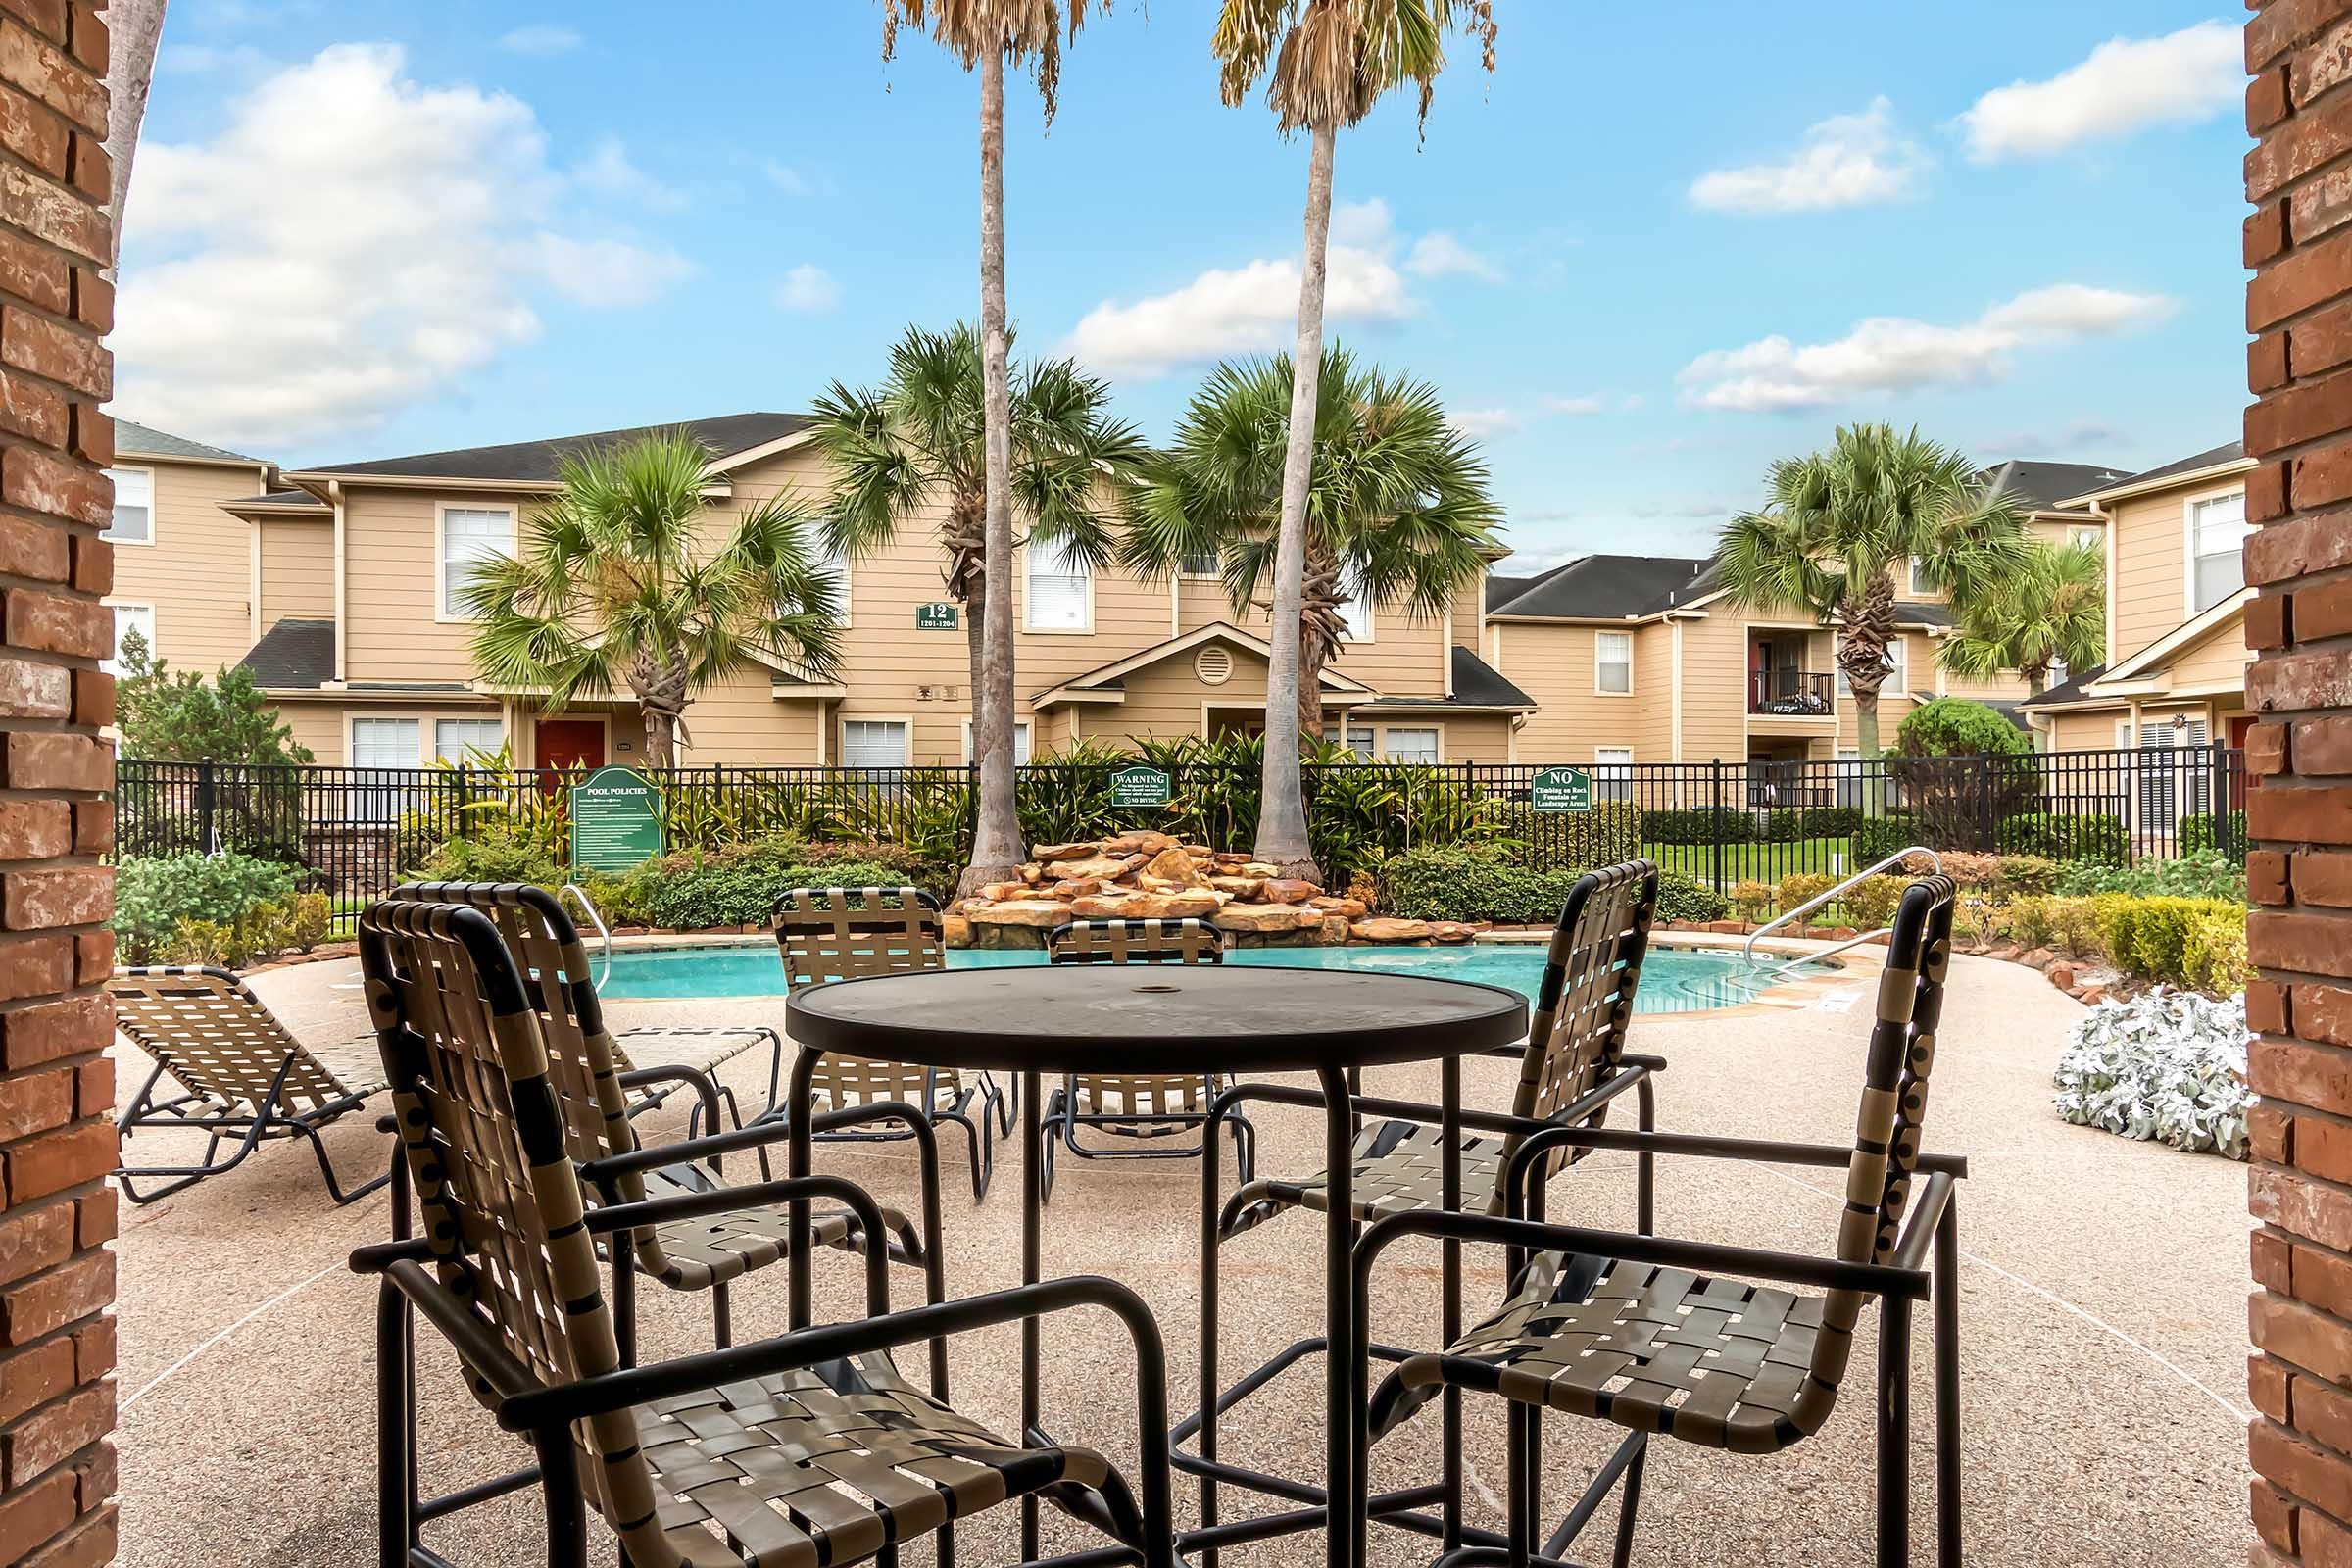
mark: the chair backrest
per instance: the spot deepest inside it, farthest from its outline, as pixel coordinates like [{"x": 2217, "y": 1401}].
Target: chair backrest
[
  {"x": 500, "y": 1203},
  {"x": 217, "y": 1038},
  {"x": 830, "y": 934},
  {"x": 1886, "y": 1130},
  {"x": 1584, "y": 1003},
  {"x": 1135, "y": 941}
]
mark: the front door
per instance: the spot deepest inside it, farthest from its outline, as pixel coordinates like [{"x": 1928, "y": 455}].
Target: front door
[{"x": 567, "y": 746}]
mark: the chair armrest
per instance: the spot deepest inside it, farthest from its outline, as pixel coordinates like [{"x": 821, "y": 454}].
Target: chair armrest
[
  {"x": 1919, "y": 1226},
  {"x": 655, "y": 1156},
  {"x": 613, "y": 1218},
  {"x": 374, "y": 1257},
  {"x": 1415, "y": 1110},
  {"x": 472, "y": 1337},
  {"x": 1757, "y": 1149}
]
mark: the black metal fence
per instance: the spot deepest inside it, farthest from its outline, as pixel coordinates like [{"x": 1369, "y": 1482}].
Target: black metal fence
[{"x": 356, "y": 831}]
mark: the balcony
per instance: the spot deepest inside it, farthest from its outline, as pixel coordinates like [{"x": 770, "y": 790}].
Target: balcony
[{"x": 1792, "y": 694}]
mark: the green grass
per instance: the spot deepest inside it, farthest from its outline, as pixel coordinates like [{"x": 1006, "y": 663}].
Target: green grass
[{"x": 1757, "y": 862}]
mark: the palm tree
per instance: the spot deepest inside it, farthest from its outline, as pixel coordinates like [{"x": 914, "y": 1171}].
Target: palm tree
[
  {"x": 1841, "y": 523},
  {"x": 983, "y": 34},
  {"x": 610, "y": 590},
  {"x": 2052, "y": 611},
  {"x": 919, "y": 441},
  {"x": 1397, "y": 508},
  {"x": 1331, "y": 61}
]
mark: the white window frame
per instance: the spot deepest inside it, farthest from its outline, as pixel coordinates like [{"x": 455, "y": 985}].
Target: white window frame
[
  {"x": 381, "y": 802},
  {"x": 1598, "y": 690},
  {"x": 1024, "y": 743},
  {"x": 1612, "y": 787},
  {"x": 2080, "y": 536},
  {"x": 493, "y": 720},
  {"x": 840, "y": 569},
  {"x": 1898, "y": 667},
  {"x": 442, "y": 612},
  {"x": 1185, "y": 569},
  {"x": 1364, "y": 604},
  {"x": 1911, "y": 583},
  {"x": 841, "y": 737},
  {"x": 1030, "y": 554},
  {"x": 2188, "y": 546},
  {"x": 115, "y": 477},
  {"x": 1370, "y": 733},
  {"x": 1435, "y": 732},
  {"x": 112, "y": 663}
]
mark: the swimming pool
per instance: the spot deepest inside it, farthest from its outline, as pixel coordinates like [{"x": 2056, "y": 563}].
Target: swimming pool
[{"x": 1673, "y": 979}]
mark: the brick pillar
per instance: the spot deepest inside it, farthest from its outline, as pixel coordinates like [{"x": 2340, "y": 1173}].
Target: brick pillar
[
  {"x": 57, "y": 1212},
  {"x": 2299, "y": 309}
]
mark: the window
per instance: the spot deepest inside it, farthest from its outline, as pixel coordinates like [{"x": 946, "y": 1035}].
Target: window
[
  {"x": 1613, "y": 662},
  {"x": 1612, "y": 772},
  {"x": 1198, "y": 563},
  {"x": 388, "y": 743},
  {"x": 2218, "y": 535},
  {"x": 1917, "y": 584},
  {"x": 1360, "y": 739},
  {"x": 873, "y": 742},
  {"x": 1020, "y": 743},
  {"x": 130, "y": 618},
  {"x": 465, "y": 740},
  {"x": 135, "y": 506},
  {"x": 835, "y": 566},
  {"x": 2087, "y": 538},
  {"x": 469, "y": 536},
  {"x": 1409, "y": 745},
  {"x": 1356, "y": 618},
  {"x": 1898, "y": 676},
  {"x": 1061, "y": 589}
]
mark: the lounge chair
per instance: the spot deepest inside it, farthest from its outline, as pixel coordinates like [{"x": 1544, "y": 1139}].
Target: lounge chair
[
  {"x": 830, "y": 934},
  {"x": 1145, "y": 1110},
  {"x": 1660, "y": 1337},
  {"x": 243, "y": 1076},
  {"x": 802, "y": 1450}
]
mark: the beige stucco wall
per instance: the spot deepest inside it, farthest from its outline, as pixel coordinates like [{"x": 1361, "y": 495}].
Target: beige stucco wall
[
  {"x": 298, "y": 569},
  {"x": 198, "y": 573}
]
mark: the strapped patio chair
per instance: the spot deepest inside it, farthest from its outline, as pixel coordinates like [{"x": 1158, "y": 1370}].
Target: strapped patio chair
[
  {"x": 1659, "y": 1336},
  {"x": 244, "y": 1073},
  {"x": 830, "y": 934},
  {"x": 1147, "y": 1108},
  {"x": 805, "y": 1449},
  {"x": 596, "y": 1092}
]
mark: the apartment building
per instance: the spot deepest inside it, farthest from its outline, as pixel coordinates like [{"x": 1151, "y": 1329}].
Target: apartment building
[
  {"x": 1643, "y": 659},
  {"x": 2176, "y": 612},
  {"x": 184, "y": 565},
  {"x": 359, "y": 567}
]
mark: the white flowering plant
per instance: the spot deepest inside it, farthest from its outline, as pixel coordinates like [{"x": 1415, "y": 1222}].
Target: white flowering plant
[{"x": 2167, "y": 1064}]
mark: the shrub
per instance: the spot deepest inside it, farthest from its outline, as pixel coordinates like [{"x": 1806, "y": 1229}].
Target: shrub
[
  {"x": 495, "y": 848},
  {"x": 1682, "y": 897},
  {"x": 2149, "y": 935},
  {"x": 2020, "y": 876},
  {"x": 2204, "y": 875},
  {"x": 2213, "y": 957},
  {"x": 1611, "y": 832},
  {"x": 1699, "y": 825},
  {"x": 1871, "y": 902},
  {"x": 154, "y": 894},
  {"x": 1784, "y": 824},
  {"x": 727, "y": 890},
  {"x": 1975, "y": 872},
  {"x": 2075, "y": 926},
  {"x": 1877, "y": 837},
  {"x": 2224, "y": 834},
  {"x": 1797, "y": 887},
  {"x": 1954, "y": 726},
  {"x": 2169, "y": 1065},
  {"x": 1830, "y": 821},
  {"x": 1754, "y": 899},
  {"x": 2096, "y": 836},
  {"x": 1471, "y": 884}
]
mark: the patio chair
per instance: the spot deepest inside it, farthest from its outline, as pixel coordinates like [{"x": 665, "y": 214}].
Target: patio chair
[
  {"x": 1146, "y": 1109},
  {"x": 830, "y": 934},
  {"x": 1659, "y": 1335},
  {"x": 244, "y": 1075},
  {"x": 802, "y": 1450},
  {"x": 596, "y": 1094}
]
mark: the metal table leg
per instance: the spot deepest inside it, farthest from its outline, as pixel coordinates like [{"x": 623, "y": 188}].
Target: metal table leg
[
  {"x": 1033, "y": 1145},
  {"x": 1342, "y": 1412}
]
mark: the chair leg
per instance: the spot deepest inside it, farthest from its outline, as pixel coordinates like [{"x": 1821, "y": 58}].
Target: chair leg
[
  {"x": 395, "y": 1482},
  {"x": 326, "y": 1170},
  {"x": 722, "y": 1318},
  {"x": 1894, "y": 1435},
  {"x": 1008, "y": 1103},
  {"x": 1946, "y": 1307},
  {"x": 1628, "y": 1508},
  {"x": 978, "y": 1141}
]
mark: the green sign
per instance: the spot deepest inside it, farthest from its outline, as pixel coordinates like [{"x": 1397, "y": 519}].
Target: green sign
[
  {"x": 616, "y": 822},
  {"x": 1141, "y": 786},
  {"x": 1562, "y": 788},
  {"x": 937, "y": 615}
]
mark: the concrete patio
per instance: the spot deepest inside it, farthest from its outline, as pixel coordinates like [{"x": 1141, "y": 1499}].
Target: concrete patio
[{"x": 2103, "y": 1316}]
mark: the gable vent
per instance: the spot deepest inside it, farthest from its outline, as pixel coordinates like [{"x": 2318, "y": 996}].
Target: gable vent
[{"x": 1213, "y": 664}]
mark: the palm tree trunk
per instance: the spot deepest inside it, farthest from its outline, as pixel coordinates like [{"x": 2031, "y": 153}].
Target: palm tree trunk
[
  {"x": 1282, "y": 815},
  {"x": 1319, "y": 628},
  {"x": 997, "y": 847}
]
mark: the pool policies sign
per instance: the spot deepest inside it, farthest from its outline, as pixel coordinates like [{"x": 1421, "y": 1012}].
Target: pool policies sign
[
  {"x": 616, "y": 822},
  {"x": 1562, "y": 788}
]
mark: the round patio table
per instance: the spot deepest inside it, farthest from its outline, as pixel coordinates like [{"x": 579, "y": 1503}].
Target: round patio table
[{"x": 1165, "y": 1018}]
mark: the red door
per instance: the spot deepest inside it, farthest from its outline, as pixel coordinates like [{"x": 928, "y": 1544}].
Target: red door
[{"x": 568, "y": 745}]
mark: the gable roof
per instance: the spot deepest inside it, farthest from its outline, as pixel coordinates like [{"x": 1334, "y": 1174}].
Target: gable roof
[
  {"x": 279, "y": 500},
  {"x": 1608, "y": 588},
  {"x": 2069, "y": 690},
  {"x": 293, "y": 656},
  {"x": 1106, "y": 680},
  {"x": 135, "y": 440},
  {"x": 1478, "y": 687},
  {"x": 542, "y": 462},
  {"x": 2045, "y": 486},
  {"x": 2221, "y": 457}
]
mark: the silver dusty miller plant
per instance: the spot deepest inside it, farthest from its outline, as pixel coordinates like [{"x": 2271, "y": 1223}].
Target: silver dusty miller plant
[{"x": 2166, "y": 1064}]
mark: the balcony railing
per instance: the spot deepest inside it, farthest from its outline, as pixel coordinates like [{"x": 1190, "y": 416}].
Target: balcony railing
[{"x": 1792, "y": 694}]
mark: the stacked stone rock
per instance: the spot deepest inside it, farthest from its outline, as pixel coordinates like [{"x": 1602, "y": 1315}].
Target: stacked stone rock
[{"x": 1154, "y": 876}]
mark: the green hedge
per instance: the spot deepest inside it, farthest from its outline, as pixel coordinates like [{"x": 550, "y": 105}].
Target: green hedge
[
  {"x": 1481, "y": 885},
  {"x": 2152, "y": 937},
  {"x": 1699, "y": 825},
  {"x": 1682, "y": 897},
  {"x": 1611, "y": 832},
  {"x": 154, "y": 894},
  {"x": 2224, "y": 833},
  {"x": 2090, "y": 837},
  {"x": 725, "y": 889}
]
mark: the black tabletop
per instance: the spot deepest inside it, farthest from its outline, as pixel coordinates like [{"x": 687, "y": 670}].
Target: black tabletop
[{"x": 1154, "y": 1019}]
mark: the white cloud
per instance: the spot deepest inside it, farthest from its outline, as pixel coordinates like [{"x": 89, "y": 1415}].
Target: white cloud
[
  {"x": 785, "y": 179},
  {"x": 1478, "y": 423},
  {"x": 540, "y": 39},
  {"x": 1633, "y": 401},
  {"x": 607, "y": 172},
  {"x": 1440, "y": 255},
  {"x": 2125, "y": 84},
  {"x": 1366, "y": 222},
  {"x": 808, "y": 290},
  {"x": 2084, "y": 440},
  {"x": 1584, "y": 404},
  {"x": 1844, "y": 160},
  {"x": 428, "y": 219},
  {"x": 1535, "y": 560},
  {"x": 1885, "y": 356}
]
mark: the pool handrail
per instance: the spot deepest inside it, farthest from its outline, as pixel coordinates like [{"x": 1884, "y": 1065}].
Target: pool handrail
[
  {"x": 1748, "y": 949},
  {"x": 604, "y": 962}
]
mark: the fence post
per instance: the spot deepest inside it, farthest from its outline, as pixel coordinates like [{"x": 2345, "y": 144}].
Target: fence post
[
  {"x": 205, "y": 804},
  {"x": 1715, "y": 827},
  {"x": 2217, "y": 803}
]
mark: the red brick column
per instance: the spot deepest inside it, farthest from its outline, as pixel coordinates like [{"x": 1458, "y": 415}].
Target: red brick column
[
  {"x": 57, "y": 1279},
  {"x": 2299, "y": 309}
]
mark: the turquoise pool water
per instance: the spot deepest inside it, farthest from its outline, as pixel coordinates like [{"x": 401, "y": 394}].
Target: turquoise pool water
[{"x": 1673, "y": 979}]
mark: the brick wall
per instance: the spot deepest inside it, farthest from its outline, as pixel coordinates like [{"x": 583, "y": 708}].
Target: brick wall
[
  {"x": 57, "y": 1278},
  {"x": 2298, "y": 242}
]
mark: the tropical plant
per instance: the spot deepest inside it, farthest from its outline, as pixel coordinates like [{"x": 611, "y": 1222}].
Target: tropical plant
[
  {"x": 1331, "y": 61},
  {"x": 918, "y": 445},
  {"x": 2051, "y": 609},
  {"x": 1838, "y": 528},
  {"x": 2170, "y": 1066},
  {"x": 611, "y": 589}
]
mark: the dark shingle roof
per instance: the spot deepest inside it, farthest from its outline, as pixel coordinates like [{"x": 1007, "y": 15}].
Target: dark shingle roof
[
  {"x": 145, "y": 441},
  {"x": 293, "y": 656},
  {"x": 2211, "y": 457},
  {"x": 1608, "y": 588},
  {"x": 2068, "y": 690},
  {"x": 1476, "y": 684},
  {"x": 1502, "y": 591},
  {"x": 1909, "y": 612},
  {"x": 2041, "y": 486},
  {"x": 543, "y": 460},
  {"x": 278, "y": 498}
]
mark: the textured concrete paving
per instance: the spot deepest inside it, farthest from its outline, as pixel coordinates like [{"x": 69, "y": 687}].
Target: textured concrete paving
[{"x": 2103, "y": 1297}]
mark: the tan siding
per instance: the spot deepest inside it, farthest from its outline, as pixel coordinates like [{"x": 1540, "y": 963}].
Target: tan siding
[
  {"x": 1553, "y": 664},
  {"x": 2220, "y": 656},
  {"x": 391, "y": 586},
  {"x": 298, "y": 569},
  {"x": 737, "y": 721},
  {"x": 1477, "y": 738},
  {"x": 198, "y": 575},
  {"x": 318, "y": 726},
  {"x": 2152, "y": 583}
]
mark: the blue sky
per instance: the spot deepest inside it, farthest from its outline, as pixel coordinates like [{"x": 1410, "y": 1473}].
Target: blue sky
[{"x": 1661, "y": 247}]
